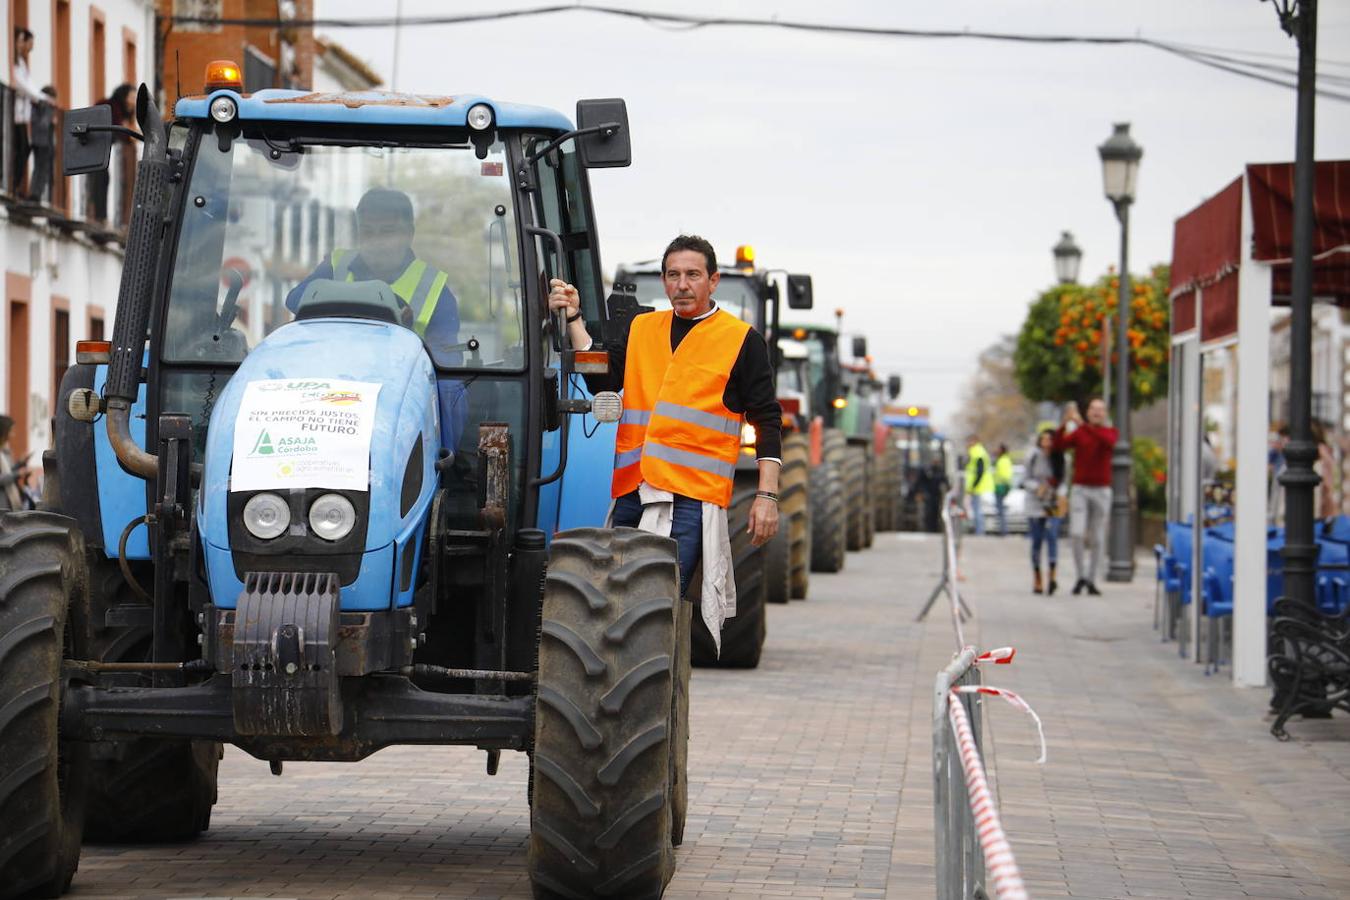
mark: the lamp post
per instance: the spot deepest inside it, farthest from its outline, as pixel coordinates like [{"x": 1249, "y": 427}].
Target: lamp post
[
  {"x": 1120, "y": 170},
  {"x": 1299, "y": 19},
  {"x": 1068, "y": 258}
]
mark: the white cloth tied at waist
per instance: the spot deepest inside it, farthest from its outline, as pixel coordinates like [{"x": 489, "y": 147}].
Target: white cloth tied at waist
[{"x": 719, "y": 574}]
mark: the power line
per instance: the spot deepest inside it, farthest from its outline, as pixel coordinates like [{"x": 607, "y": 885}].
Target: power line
[{"x": 1223, "y": 60}]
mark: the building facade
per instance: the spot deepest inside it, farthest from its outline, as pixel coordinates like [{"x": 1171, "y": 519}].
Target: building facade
[{"x": 60, "y": 241}]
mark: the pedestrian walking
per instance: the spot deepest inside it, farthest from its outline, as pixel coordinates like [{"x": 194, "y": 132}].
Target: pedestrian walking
[
  {"x": 11, "y": 475},
  {"x": 692, "y": 376},
  {"x": 979, "y": 479},
  {"x": 1090, "y": 497},
  {"x": 1003, "y": 478},
  {"x": 1043, "y": 481}
]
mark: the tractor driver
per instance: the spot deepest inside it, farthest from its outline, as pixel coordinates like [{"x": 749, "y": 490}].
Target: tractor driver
[
  {"x": 383, "y": 252},
  {"x": 691, "y": 378}
]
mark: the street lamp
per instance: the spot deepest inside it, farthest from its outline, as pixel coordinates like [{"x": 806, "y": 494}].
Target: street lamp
[
  {"x": 1068, "y": 257},
  {"x": 1120, "y": 172},
  {"x": 1299, "y": 20}
]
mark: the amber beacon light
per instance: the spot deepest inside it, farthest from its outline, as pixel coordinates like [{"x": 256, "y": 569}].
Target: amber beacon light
[{"x": 223, "y": 74}]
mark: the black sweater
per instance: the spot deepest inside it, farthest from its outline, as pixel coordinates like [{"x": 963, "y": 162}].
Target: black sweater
[{"x": 750, "y": 391}]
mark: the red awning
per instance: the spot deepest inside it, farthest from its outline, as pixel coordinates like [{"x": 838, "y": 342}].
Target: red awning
[
  {"x": 1272, "y": 192},
  {"x": 1207, "y": 244},
  {"x": 1206, "y": 248}
]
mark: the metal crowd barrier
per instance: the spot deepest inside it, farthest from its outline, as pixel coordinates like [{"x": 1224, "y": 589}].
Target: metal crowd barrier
[
  {"x": 967, "y": 833},
  {"x": 960, "y": 864}
]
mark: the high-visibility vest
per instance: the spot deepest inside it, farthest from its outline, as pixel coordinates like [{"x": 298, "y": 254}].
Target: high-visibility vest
[
  {"x": 676, "y": 434},
  {"x": 419, "y": 286},
  {"x": 986, "y": 483},
  {"x": 1003, "y": 471}
]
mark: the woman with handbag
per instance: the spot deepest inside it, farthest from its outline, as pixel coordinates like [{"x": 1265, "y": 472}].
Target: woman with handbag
[{"x": 1043, "y": 481}]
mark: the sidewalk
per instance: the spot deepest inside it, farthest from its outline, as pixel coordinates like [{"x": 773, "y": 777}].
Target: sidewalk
[{"x": 1160, "y": 782}]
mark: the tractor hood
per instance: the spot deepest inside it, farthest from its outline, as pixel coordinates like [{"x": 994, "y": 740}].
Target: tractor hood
[{"x": 341, "y": 405}]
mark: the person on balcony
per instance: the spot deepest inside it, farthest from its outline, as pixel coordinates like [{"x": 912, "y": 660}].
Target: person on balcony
[
  {"x": 44, "y": 145},
  {"x": 26, "y": 94},
  {"x": 123, "y": 103}
]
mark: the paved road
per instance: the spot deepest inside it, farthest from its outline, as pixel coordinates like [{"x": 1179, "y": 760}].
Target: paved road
[{"x": 811, "y": 776}]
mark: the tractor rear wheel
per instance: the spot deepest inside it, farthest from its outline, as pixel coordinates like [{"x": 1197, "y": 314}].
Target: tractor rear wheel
[
  {"x": 609, "y": 723},
  {"x": 148, "y": 790},
  {"x": 854, "y": 471},
  {"x": 743, "y": 633},
  {"x": 794, "y": 511},
  {"x": 829, "y": 520},
  {"x": 43, "y": 617}
]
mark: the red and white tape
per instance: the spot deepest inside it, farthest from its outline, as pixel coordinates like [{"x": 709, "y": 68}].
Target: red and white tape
[
  {"x": 1012, "y": 698},
  {"x": 998, "y": 856}
]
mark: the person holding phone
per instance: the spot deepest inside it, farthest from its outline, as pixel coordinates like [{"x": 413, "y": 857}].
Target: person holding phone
[
  {"x": 11, "y": 475},
  {"x": 1090, "y": 499}
]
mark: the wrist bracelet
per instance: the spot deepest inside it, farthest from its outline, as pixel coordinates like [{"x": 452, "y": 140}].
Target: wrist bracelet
[
  {"x": 767, "y": 495},
  {"x": 571, "y": 319}
]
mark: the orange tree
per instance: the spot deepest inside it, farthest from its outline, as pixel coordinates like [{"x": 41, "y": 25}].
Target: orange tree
[{"x": 1059, "y": 349}]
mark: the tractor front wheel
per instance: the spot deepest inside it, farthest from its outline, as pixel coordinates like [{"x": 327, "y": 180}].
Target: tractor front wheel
[
  {"x": 43, "y": 600},
  {"x": 794, "y": 511},
  {"x": 610, "y": 724},
  {"x": 150, "y": 790}
]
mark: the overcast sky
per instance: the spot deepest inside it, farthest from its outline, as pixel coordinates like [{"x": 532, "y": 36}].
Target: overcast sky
[{"x": 921, "y": 182}]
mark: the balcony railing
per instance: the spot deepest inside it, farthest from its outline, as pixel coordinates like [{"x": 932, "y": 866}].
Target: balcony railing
[{"x": 35, "y": 187}]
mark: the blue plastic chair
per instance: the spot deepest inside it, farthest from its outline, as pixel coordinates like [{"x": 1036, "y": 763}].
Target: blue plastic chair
[{"x": 1217, "y": 599}]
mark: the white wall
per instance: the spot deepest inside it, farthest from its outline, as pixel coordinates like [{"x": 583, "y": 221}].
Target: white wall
[{"x": 59, "y": 264}]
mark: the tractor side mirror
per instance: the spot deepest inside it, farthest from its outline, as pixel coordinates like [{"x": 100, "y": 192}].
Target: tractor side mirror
[
  {"x": 611, "y": 145},
  {"x": 859, "y": 347},
  {"x": 799, "y": 292},
  {"x": 893, "y": 386},
  {"x": 88, "y": 140}
]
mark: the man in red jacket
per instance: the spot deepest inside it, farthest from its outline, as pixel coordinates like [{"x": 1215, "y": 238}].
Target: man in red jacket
[{"x": 1090, "y": 499}]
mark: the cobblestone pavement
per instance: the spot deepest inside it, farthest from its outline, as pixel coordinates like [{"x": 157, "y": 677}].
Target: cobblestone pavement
[{"x": 811, "y": 776}]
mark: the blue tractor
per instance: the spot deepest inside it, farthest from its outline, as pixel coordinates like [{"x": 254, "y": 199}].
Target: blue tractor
[{"x": 307, "y": 500}]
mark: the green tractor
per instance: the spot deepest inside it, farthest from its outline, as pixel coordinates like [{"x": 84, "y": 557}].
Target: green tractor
[{"x": 780, "y": 569}]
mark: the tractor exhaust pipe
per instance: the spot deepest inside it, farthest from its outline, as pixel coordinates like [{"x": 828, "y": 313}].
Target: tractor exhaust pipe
[{"x": 134, "y": 295}]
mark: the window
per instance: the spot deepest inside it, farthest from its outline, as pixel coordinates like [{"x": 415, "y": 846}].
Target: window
[
  {"x": 61, "y": 52},
  {"x": 60, "y": 349},
  {"x": 98, "y": 55},
  {"x": 96, "y": 327},
  {"x": 128, "y": 56},
  {"x": 562, "y": 209}
]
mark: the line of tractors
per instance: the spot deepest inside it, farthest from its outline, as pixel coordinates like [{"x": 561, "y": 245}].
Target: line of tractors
[{"x": 844, "y": 472}]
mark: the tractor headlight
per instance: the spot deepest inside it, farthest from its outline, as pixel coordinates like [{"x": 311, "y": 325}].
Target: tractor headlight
[
  {"x": 223, "y": 110},
  {"x": 480, "y": 116},
  {"x": 266, "y": 516},
  {"x": 332, "y": 517}
]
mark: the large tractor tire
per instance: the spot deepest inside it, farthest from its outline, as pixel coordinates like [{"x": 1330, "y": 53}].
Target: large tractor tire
[
  {"x": 742, "y": 634},
  {"x": 794, "y": 511},
  {"x": 142, "y": 790},
  {"x": 610, "y": 725},
  {"x": 854, "y": 472},
  {"x": 829, "y": 520},
  {"x": 778, "y": 565},
  {"x": 890, "y": 489},
  {"x": 869, "y": 492},
  {"x": 679, "y": 727},
  {"x": 43, "y": 617}
]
